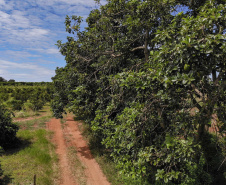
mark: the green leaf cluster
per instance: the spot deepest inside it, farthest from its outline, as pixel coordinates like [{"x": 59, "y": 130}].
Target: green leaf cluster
[
  {"x": 8, "y": 129},
  {"x": 150, "y": 84},
  {"x": 25, "y": 97}
]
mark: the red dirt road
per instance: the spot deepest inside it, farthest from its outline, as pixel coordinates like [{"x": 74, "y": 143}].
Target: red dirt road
[
  {"x": 61, "y": 150},
  {"x": 92, "y": 170}
]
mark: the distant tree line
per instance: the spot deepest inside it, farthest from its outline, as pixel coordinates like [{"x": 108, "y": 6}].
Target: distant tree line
[
  {"x": 13, "y": 83},
  {"x": 4, "y": 80},
  {"x": 23, "y": 96},
  {"x": 16, "y": 96}
]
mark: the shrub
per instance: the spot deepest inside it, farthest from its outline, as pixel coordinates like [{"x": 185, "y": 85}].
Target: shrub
[
  {"x": 15, "y": 104},
  {"x": 28, "y": 106},
  {"x": 8, "y": 129}
]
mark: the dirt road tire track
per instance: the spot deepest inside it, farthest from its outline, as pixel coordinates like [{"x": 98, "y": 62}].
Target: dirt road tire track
[
  {"x": 93, "y": 171},
  {"x": 61, "y": 150}
]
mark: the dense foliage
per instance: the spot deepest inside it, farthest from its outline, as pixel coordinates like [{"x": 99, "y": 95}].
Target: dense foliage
[
  {"x": 17, "y": 96},
  {"x": 12, "y": 82},
  {"x": 2, "y": 79},
  {"x": 151, "y": 84},
  {"x": 7, "y": 128},
  {"x": 25, "y": 95}
]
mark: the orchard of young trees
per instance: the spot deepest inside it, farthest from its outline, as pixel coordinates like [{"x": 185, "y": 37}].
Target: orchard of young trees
[
  {"x": 16, "y": 96},
  {"x": 8, "y": 129},
  {"x": 25, "y": 95},
  {"x": 150, "y": 81}
]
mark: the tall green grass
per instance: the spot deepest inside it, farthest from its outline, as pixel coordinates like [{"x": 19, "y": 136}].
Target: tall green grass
[{"x": 34, "y": 155}]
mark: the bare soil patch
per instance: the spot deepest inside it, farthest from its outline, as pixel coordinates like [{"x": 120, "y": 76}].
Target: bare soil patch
[
  {"x": 92, "y": 170},
  {"x": 61, "y": 150}
]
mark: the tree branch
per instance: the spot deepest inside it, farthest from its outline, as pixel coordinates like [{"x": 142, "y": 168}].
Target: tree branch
[
  {"x": 198, "y": 92},
  {"x": 195, "y": 102},
  {"x": 214, "y": 75},
  {"x": 83, "y": 58},
  {"x": 138, "y": 48},
  {"x": 218, "y": 78}
]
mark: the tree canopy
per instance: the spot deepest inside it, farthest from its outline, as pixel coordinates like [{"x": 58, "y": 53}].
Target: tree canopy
[
  {"x": 150, "y": 85},
  {"x": 2, "y": 79}
]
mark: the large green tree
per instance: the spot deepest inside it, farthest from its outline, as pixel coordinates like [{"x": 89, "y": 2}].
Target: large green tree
[
  {"x": 2, "y": 79},
  {"x": 149, "y": 84},
  {"x": 118, "y": 38}
]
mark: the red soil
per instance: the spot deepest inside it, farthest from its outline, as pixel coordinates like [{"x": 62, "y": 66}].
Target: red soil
[{"x": 92, "y": 169}]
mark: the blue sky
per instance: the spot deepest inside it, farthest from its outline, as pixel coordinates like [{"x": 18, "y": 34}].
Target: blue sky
[{"x": 29, "y": 30}]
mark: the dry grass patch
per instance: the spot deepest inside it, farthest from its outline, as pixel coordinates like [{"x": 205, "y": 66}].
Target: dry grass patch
[{"x": 76, "y": 166}]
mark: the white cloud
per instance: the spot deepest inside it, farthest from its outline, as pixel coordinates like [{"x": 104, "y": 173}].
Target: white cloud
[
  {"x": 7, "y": 65},
  {"x": 47, "y": 50},
  {"x": 15, "y": 19},
  {"x": 30, "y": 21},
  {"x": 69, "y": 2},
  {"x": 13, "y": 70},
  {"x": 17, "y": 55},
  {"x": 41, "y": 61},
  {"x": 2, "y": 2},
  {"x": 29, "y": 30},
  {"x": 52, "y": 51},
  {"x": 16, "y": 28}
]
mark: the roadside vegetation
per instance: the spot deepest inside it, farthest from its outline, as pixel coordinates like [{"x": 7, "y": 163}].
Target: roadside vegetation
[
  {"x": 103, "y": 158},
  {"x": 149, "y": 80},
  {"x": 26, "y": 151},
  {"x": 31, "y": 156}
]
